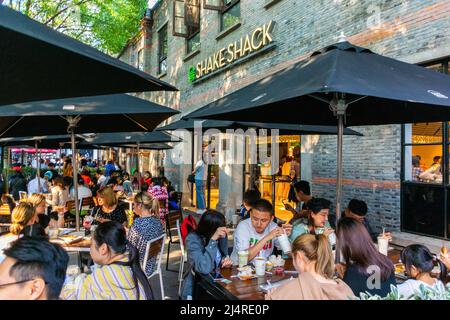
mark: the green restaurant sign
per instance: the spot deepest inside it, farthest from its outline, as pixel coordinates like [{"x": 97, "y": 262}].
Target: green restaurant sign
[{"x": 251, "y": 43}]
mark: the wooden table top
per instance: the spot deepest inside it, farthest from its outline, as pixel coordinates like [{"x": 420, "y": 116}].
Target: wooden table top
[
  {"x": 82, "y": 245},
  {"x": 250, "y": 290}
]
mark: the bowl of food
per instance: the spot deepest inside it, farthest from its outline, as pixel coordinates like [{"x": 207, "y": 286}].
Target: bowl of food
[
  {"x": 278, "y": 271},
  {"x": 245, "y": 273}
]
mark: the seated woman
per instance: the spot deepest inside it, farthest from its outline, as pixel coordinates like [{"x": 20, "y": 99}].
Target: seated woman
[
  {"x": 418, "y": 262},
  {"x": 317, "y": 221},
  {"x": 313, "y": 260},
  {"x": 54, "y": 220},
  {"x": 145, "y": 228},
  {"x": 127, "y": 185},
  {"x": 59, "y": 194},
  {"x": 362, "y": 260},
  {"x": 118, "y": 274},
  {"x": 109, "y": 209},
  {"x": 23, "y": 215},
  {"x": 159, "y": 192},
  {"x": 207, "y": 249}
]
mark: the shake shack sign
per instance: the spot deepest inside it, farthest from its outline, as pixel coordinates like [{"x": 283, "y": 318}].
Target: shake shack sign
[{"x": 260, "y": 40}]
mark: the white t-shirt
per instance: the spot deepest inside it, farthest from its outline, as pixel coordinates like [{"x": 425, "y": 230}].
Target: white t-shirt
[
  {"x": 412, "y": 286},
  {"x": 83, "y": 192},
  {"x": 5, "y": 242},
  {"x": 201, "y": 170},
  {"x": 33, "y": 186},
  {"x": 101, "y": 182},
  {"x": 246, "y": 237}
]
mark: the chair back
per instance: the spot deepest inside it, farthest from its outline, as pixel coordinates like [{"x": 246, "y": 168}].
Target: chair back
[
  {"x": 86, "y": 203},
  {"x": 179, "y": 237},
  {"x": 23, "y": 196},
  {"x": 5, "y": 210},
  {"x": 70, "y": 205},
  {"x": 171, "y": 222},
  {"x": 155, "y": 248}
]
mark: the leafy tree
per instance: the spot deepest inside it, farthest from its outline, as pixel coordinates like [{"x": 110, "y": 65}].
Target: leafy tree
[{"x": 104, "y": 24}]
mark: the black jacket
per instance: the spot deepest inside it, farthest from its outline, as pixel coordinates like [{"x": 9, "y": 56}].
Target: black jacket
[{"x": 16, "y": 184}]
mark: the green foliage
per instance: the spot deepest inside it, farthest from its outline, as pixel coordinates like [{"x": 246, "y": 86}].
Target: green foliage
[
  {"x": 104, "y": 24},
  {"x": 439, "y": 292}
]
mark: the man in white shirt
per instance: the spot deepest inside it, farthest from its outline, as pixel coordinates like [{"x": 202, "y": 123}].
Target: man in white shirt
[
  {"x": 83, "y": 191},
  {"x": 258, "y": 234},
  {"x": 101, "y": 179},
  {"x": 201, "y": 172},
  {"x": 33, "y": 186}
]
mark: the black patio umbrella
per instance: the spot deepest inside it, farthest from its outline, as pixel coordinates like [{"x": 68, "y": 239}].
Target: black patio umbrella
[
  {"x": 107, "y": 113},
  {"x": 284, "y": 129},
  {"x": 342, "y": 84},
  {"x": 128, "y": 138},
  {"x": 38, "y": 63}
]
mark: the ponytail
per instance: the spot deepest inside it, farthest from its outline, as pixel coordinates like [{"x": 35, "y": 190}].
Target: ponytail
[
  {"x": 148, "y": 202},
  {"x": 316, "y": 248},
  {"x": 325, "y": 261}
]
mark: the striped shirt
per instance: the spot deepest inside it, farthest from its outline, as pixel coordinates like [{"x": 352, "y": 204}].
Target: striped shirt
[{"x": 106, "y": 282}]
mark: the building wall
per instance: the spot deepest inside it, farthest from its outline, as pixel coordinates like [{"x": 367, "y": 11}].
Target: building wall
[{"x": 410, "y": 30}]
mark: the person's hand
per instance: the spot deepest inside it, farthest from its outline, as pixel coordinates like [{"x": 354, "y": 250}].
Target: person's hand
[
  {"x": 328, "y": 231},
  {"x": 387, "y": 235},
  {"x": 287, "y": 228},
  {"x": 340, "y": 269},
  {"x": 278, "y": 231},
  {"x": 288, "y": 207},
  {"x": 220, "y": 233},
  {"x": 227, "y": 262}
]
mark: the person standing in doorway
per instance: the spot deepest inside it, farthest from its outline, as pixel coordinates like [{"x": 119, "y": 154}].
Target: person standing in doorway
[{"x": 201, "y": 172}]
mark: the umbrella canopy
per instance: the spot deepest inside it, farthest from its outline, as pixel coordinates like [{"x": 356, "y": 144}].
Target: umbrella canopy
[
  {"x": 128, "y": 138},
  {"x": 378, "y": 90},
  {"x": 148, "y": 146},
  {"x": 38, "y": 63},
  {"x": 341, "y": 83},
  {"x": 46, "y": 142},
  {"x": 108, "y": 113},
  {"x": 284, "y": 129}
]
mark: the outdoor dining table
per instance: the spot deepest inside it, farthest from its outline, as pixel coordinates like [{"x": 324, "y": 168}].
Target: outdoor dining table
[
  {"x": 207, "y": 288},
  {"x": 83, "y": 244}
]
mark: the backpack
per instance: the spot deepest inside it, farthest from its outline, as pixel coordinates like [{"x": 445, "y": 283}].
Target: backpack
[{"x": 188, "y": 225}]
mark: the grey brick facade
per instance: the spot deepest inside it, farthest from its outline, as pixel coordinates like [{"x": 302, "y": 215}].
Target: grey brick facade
[{"x": 410, "y": 30}]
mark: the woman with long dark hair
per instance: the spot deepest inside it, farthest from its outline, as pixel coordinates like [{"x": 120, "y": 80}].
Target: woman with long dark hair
[
  {"x": 367, "y": 270},
  {"x": 207, "y": 249},
  {"x": 118, "y": 274}
]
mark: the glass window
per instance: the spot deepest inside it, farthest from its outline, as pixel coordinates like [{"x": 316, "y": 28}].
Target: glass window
[
  {"x": 423, "y": 152},
  {"x": 162, "y": 50},
  {"x": 231, "y": 14},
  {"x": 193, "y": 25},
  {"x": 140, "y": 60},
  {"x": 193, "y": 43}
]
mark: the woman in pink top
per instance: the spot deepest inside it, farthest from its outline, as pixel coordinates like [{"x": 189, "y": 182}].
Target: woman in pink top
[{"x": 159, "y": 192}]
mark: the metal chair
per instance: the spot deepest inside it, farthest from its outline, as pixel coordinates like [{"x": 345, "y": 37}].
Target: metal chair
[
  {"x": 70, "y": 221},
  {"x": 183, "y": 258},
  {"x": 155, "y": 248},
  {"x": 171, "y": 220}
]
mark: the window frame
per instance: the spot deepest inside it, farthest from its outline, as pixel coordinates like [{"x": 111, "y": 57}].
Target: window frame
[
  {"x": 225, "y": 9},
  {"x": 160, "y": 47},
  {"x": 445, "y": 144}
]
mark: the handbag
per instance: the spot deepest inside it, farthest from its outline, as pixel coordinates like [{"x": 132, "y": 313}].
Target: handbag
[{"x": 191, "y": 178}]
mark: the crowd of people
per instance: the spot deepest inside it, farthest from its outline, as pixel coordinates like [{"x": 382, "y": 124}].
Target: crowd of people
[
  {"x": 311, "y": 231},
  {"x": 117, "y": 251},
  {"x": 115, "y": 264}
]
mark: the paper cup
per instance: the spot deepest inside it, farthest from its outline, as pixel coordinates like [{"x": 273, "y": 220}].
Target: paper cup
[
  {"x": 383, "y": 245},
  {"x": 260, "y": 267},
  {"x": 285, "y": 244},
  {"x": 242, "y": 258}
]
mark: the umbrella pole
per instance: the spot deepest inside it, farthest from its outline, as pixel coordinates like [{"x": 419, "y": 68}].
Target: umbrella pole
[
  {"x": 38, "y": 173},
  {"x": 75, "y": 178},
  {"x": 339, "y": 107},
  {"x": 138, "y": 165}
]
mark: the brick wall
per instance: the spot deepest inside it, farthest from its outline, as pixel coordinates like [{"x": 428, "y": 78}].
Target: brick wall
[{"x": 394, "y": 28}]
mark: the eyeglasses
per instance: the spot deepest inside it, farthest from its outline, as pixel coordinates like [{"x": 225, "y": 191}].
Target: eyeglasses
[{"x": 17, "y": 282}]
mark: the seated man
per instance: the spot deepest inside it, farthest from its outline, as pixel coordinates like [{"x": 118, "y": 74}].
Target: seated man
[
  {"x": 357, "y": 209},
  {"x": 302, "y": 191},
  {"x": 34, "y": 269},
  {"x": 258, "y": 234},
  {"x": 248, "y": 201}
]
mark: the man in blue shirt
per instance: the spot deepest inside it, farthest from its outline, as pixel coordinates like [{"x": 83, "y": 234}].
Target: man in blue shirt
[{"x": 109, "y": 167}]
